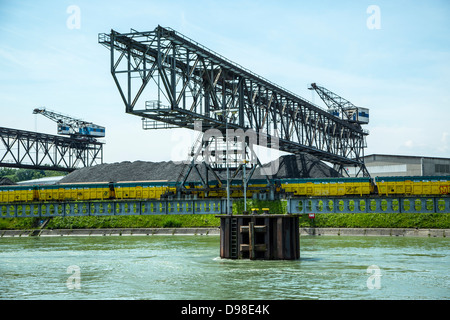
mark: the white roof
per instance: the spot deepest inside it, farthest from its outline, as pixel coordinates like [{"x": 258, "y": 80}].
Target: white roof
[{"x": 41, "y": 181}]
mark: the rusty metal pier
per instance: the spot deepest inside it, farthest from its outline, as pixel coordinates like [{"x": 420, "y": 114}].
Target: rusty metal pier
[{"x": 264, "y": 236}]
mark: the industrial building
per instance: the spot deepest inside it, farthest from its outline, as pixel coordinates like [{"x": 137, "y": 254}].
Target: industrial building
[{"x": 383, "y": 165}]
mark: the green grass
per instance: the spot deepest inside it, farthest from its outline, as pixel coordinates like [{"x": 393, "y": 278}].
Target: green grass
[
  {"x": 378, "y": 220},
  {"x": 335, "y": 220},
  {"x": 157, "y": 221},
  {"x": 18, "y": 223}
]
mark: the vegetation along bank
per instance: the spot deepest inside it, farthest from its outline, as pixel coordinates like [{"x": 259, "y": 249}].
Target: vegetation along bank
[{"x": 325, "y": 220}]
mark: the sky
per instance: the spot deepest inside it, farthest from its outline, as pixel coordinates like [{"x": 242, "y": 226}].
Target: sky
[{"x": 392, "y": 57}]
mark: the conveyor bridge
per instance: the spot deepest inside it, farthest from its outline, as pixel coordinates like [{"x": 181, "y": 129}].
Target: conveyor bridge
[
  {"x": 172, "y": 81},
  {"x": 34, "y": 150}
]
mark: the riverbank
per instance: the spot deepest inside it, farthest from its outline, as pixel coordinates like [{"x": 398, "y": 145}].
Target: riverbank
[
  {"x": 332, "y": 220},
  {"x": 359, "y": 224},
  {"x": 390, "y": 232},
  {"x": 109, "y": 232}
]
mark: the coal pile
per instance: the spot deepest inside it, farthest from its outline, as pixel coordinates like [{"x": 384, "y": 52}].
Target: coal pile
[
  {"x": 301, "y": 165},
  {"x": 126, "y": 171}
]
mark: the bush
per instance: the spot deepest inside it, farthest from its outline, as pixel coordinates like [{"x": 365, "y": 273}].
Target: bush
[
  {"x": 323, "y": 220},
  {"x": 150, "y": 221},
  {"x": 172, "y": 223},
  {"x": 378, "y": 220}
]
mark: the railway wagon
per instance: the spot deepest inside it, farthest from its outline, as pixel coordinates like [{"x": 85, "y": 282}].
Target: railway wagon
[
  {"x": 236, "y": 188},
  {"x": 327, "y": 186},
  {"x": 17, "y": 193},
  {"x": 143, "y": 189},
  {"x": 416, "y": 185},
  {"x": 383, "y": 186},
  {"x": 49, "y": 193},
  {"x": 74, "y": 192},
  {"x": 86, "y": 191}
]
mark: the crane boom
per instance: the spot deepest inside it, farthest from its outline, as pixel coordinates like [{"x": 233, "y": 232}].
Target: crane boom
[
  {"x": 341, "y": 107},
  {"x": 76, "y": 128}
]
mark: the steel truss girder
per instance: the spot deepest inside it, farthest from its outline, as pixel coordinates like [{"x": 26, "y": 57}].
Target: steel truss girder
[
  {"x": 190, "y": 82},
  {"x": 110, "y": 208},
  {"x": 33, "y": 150},
  {"x": 319, "y": 205}
]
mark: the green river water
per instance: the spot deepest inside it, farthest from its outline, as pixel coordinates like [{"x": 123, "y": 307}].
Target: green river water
[{"x": 189, "y": 267}]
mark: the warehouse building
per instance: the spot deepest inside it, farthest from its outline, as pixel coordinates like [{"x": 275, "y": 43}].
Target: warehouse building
[{"x": 383, "y": 165}]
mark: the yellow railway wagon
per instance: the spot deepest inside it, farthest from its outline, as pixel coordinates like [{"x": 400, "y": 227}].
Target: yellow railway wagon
[
  {"x": 215, "y": 191},
  {"x": 327, "y": 187},
  {"x": 50, "y": 193},
  {"x": 360, "y": 187},
  {"x": 195, "y": 188},
  {"x": 254, "y": 187},
  {"x": 413, "y": 185},
  {"x": 236, "y": 189},
  {"x": 17, "y": 193},
  {"x": 142, "y": 189},
  {"x": 298, "y": 189},
  {"x": 86, "y": 191}
]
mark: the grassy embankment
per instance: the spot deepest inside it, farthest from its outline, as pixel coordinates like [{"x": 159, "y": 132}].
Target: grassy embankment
[{"x": 337, "y": 220}]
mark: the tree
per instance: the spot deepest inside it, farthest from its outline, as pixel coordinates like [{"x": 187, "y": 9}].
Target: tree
[{"x": 17, "y": 175}]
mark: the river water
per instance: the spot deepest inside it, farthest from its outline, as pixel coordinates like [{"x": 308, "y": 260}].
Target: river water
[{"x": 189, "y": 267}]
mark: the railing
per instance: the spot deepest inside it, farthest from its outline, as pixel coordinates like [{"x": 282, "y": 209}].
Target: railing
[
  {"x": 109, "y": 208},
  {"x": 369, "y": 205},
  {"x": 315, "y": 205}
]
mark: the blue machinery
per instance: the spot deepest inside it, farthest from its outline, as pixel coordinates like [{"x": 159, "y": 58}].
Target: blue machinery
[
  {"x": 78, "y": 147},
  {"x": 218, "y": 206}
]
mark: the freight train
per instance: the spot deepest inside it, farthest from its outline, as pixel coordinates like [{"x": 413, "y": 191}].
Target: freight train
[{"x": 283, "y": 188}]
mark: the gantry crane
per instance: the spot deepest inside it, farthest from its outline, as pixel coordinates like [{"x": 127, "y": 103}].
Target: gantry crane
[
  {"x": 347, "y": 111},
  {"x": 188, "y": 82},
  {"x": 341, "y": 107},
  {"x": 75, "y": 128}
]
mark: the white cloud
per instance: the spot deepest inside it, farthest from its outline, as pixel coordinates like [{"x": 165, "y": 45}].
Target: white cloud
[{"x": 409, "y": 144}]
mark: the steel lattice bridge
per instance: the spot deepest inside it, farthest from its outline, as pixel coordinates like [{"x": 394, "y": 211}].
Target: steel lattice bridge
[
  {"x": 316, "y": 205},
  {"x": 34, "y": 150},
  {"x": 171, "y": 81}
]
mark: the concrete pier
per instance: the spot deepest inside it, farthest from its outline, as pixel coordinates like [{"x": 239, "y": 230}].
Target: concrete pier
[{"x": 265, "y": 236}]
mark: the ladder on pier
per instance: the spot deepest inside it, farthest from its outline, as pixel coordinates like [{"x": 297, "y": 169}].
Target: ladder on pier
[{"x": 234, "y": 238}]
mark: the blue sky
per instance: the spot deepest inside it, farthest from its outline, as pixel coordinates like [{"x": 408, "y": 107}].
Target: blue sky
[{"x": 400, "y": 71}]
